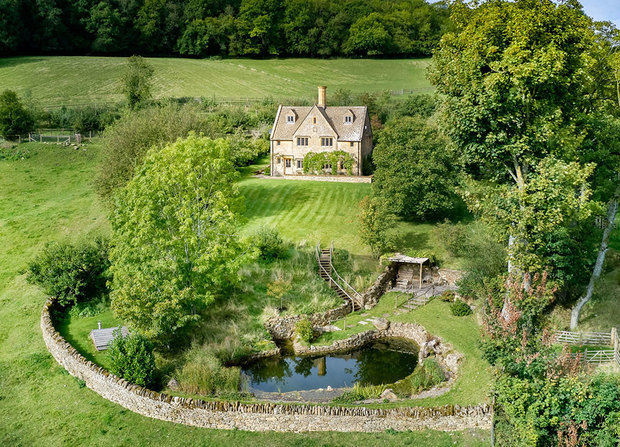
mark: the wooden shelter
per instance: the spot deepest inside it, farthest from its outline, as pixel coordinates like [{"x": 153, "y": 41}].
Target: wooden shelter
[{"x": 399, "y": 258}]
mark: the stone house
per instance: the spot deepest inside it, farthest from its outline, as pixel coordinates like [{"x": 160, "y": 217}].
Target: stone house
[{"x": 300, "y": 130}]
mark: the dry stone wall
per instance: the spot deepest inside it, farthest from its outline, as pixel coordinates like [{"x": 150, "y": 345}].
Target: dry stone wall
[{"x": 257, "y": 416}]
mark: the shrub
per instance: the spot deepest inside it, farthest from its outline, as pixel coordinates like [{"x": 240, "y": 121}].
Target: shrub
[
  {"x": 88, "y": 308},
  {"x": 425, "y": 376},
  {"x": 360, "y": 392},
  {"x": 455, "y": 238},
  {"x": 132, "y": 358},
  {"x": 14, "y": 153},
  {"x": 448, "y": 296},
  {"x": 303, "y": 329},
  {"x": 203, "y": 374},
  {"x": 460, "y": 309},
  {"x": 15, "y": 120},
  {"x": 269, "y": 244},
  {"x": 71, "y": 272}
]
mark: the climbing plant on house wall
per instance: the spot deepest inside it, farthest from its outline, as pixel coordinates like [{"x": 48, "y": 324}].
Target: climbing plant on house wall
[{"x": 315, "y": 162}]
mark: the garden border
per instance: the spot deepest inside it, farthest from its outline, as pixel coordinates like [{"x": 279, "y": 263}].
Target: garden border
[{"x": 254, "y": 416}]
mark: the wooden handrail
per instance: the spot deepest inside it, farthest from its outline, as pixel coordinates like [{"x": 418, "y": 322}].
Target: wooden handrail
[{"x": 358, "y": 297}]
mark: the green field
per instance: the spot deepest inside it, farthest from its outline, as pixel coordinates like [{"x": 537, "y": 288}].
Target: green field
[
  {"x": 50, "y": 196},
  {"x": 58, "y": 80}
]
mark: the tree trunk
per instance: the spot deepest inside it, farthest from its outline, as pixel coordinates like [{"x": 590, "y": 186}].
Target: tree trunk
[
  {"x": 505, "y": 312},
  {"x": 600, "y": 260}
]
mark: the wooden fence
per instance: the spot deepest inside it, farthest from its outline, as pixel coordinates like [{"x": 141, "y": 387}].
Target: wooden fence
[
  {"x": 595, "y": 356},
  {"x": 58, "y": 136},
  {"x": 583, "y": 338}
]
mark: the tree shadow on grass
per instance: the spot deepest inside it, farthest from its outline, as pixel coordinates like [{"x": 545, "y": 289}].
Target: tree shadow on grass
[{"x": 412, "y": 240}]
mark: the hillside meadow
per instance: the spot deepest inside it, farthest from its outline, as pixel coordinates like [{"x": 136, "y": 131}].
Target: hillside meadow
[
  {"x": 49, "y": 196},
  {"x": 82, "y": 80}
]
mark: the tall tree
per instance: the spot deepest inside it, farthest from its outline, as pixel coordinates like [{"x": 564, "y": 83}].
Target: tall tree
[
  {"x": 15, "y": 120},
  {"x": 174, "y": 242},
  {"x": 516, "y": 78},
  {"x": 416, "y": 172}
]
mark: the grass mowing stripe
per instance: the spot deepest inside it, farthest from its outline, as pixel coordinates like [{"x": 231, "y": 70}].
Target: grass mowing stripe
[{"x": 83, "y": 80}]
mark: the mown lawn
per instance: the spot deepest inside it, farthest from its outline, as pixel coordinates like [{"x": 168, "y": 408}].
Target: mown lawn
[
  {"x": 473, "y": 384},
  {"x": 58, "y": 80},
  {"x": 50, "y": 196}
]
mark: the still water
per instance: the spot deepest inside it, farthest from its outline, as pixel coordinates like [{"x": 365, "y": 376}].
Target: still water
[{"x": 378, "y": 363}]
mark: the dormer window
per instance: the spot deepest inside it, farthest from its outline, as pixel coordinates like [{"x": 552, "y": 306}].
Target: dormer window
[
  {"x": 348, "y": 117},
  {"x": 290, "y": 119}
]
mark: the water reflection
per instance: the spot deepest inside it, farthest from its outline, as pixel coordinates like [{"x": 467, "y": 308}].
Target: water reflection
[{"x": 383, "y": 362}]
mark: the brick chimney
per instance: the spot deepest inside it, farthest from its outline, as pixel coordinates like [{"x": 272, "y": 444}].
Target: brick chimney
[{"x": 322, "y": 93}]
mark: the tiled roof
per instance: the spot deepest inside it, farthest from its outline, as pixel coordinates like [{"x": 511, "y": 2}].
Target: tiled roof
[{"x": 335, "y": 116}]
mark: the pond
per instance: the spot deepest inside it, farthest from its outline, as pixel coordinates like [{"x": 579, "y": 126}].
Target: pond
[{"x": 378, "y": 363}]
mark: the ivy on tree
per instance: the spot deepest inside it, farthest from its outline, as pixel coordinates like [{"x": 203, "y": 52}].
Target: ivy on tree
[{"x": 174, "y": 241}]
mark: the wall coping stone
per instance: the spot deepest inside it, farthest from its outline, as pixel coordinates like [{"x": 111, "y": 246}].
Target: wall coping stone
[{"x": 259, "y": 416}]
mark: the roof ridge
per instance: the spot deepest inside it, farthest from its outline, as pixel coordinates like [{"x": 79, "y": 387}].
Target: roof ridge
[{"x": 328, "y": 119}]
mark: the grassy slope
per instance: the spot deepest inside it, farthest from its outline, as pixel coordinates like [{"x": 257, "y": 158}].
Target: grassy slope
[
  {"x": 53, "y": 80},
  {"x": 603, "y": 311},
  {"x": 47, "y": 197}
]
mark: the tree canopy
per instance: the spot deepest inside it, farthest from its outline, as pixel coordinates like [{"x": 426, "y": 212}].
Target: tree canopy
[
  {"x": 174, "y": 236},
  {"x": 416, "y": 170},
  {"x": 518, "y": 80},
  {"x": 15, "y": 119},
  {"x": 223, "y": 27}
]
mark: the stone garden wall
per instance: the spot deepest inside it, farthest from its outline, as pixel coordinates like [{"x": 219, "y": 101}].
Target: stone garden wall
[
  {"x": 325, "y": 178},
  {"x": 283, "y": 328},
  {"x": 257, "y": 416}
]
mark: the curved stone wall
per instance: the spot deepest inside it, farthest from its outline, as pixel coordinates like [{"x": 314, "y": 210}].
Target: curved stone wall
[
  {"x": 444, "y": 353},
  {"x": 255, "y": 416}
]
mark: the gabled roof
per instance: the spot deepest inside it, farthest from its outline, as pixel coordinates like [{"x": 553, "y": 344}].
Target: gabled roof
[{"x": 334, "y": 115}]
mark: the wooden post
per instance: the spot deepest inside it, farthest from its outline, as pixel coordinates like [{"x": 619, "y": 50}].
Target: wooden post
[
  {"x": 420, "y": 275},
  {"x": 616, "y": 344},
  {"x": 40, "y": 138}
]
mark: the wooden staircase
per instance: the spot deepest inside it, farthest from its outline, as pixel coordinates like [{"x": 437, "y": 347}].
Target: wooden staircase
[{"x": 336, "y": 282}]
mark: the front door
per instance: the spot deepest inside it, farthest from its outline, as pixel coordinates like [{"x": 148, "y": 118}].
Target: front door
[{"x": 288, "y": 166}]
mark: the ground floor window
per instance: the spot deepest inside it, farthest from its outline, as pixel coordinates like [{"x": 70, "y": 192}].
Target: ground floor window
[{"x": 300, "y": 164}]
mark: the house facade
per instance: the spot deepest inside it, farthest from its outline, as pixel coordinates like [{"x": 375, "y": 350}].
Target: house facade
[{"x": 298, "y": 131}]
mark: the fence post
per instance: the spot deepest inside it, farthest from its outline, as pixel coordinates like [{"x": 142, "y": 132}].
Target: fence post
[{"x": 616, "y": 342}]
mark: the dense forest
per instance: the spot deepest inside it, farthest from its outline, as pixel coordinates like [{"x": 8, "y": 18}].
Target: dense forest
[{"x": 316, "y": 28}]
